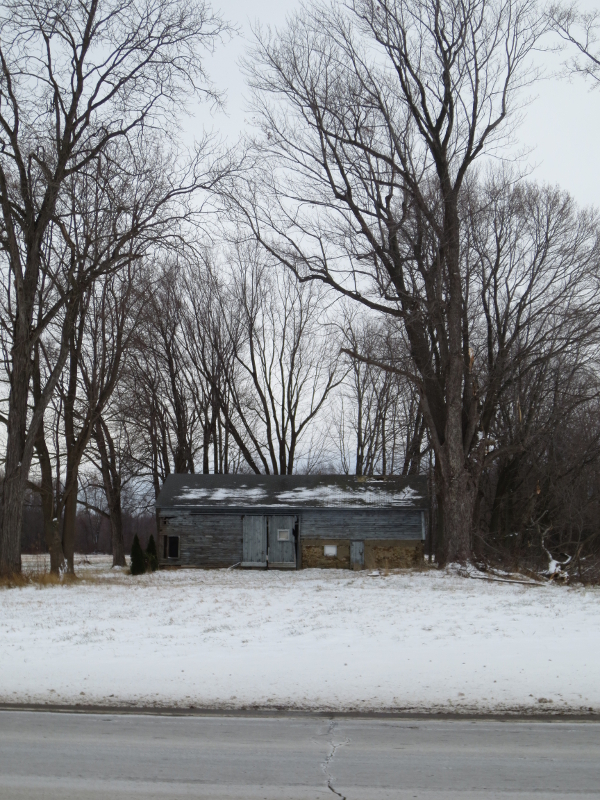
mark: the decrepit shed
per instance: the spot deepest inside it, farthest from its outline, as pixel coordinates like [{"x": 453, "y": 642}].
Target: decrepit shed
[{"x": 291, "y": 521}]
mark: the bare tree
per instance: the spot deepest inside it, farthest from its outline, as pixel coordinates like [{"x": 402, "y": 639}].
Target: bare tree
[
  {"x": 579, "y": 29},
  {"x": 288, "y": 356},
  {"x": 98, "y": 344},
  {"x": 114, "y": 462},
  {"x": 112, "y": 319},
  {"x": 385, "y": 107},
  {"x": 213, "y": 338},
  {"x": 379, "y": 408},
  {"x": 161, "y": 413},
  {"x": 74, "y": 80},
  {"x": 117, "y": 216}
]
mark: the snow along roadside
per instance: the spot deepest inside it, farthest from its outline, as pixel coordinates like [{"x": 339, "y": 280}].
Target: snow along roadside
[{"x": 315, "y": 639}]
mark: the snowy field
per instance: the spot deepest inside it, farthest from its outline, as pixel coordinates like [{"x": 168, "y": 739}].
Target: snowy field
[{"x": 312, "y": 639}]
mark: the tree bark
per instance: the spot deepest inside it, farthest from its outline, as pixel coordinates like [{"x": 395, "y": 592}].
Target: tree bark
[
  {"x": 51, "y": 528},
  {"x": 70, "y": 518},
  {"x": 17, "y": 459},
  {"x": 111, "y": 478}
]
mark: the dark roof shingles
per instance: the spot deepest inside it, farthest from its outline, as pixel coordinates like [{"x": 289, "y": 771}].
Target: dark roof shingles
[{"x": 292, "y": 491}]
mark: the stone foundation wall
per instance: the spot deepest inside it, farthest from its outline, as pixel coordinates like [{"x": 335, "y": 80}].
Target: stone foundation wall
[
  {"x": 379, "y": 554},
  {"x": 313, "y": 555},
  {"x": 393, "y": 555}
]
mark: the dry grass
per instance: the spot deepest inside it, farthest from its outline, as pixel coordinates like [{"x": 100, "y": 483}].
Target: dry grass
[
  {"x": 19, "y": 580},
  {"x": 88, "y": 570},
  {"x": 97, "y": 570},
  {"x": 38, "y": 578}
]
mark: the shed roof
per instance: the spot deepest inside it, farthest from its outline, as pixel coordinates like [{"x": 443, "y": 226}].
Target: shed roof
[{"x": 292, "y": 491}]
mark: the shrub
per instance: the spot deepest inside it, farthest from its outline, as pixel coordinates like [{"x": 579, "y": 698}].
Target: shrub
[
  {"x": 138, "y": 561},
  {"x": 151, "y": 554}
]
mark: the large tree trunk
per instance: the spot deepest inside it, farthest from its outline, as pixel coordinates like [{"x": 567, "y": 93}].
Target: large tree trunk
[
  {"x": 456, "y": 502},
  {"x": 20, "y": 443},
  {"x": 457, "y": 486},
  {"x": 13, "y": 492},
  {"x": 17, "y": 461}
]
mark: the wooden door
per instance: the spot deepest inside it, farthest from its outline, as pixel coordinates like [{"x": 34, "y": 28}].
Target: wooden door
[
  {"x": 282, "y": 542},
  {"x": 357, "y": 554},
  {"x": 254, "y": 547}
]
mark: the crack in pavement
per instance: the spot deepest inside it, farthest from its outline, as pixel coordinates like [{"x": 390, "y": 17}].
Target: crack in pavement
[{"x": 334, "y": 748}]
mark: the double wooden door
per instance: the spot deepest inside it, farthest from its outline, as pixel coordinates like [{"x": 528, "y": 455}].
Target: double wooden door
[{"x": 269, "y": 541}]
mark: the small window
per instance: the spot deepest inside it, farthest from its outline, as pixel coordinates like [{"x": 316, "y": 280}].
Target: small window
[
  {"x": 173, "y": 551},
  {"x": 283, "y": 535},
  {"x": 330, "y": 550}
]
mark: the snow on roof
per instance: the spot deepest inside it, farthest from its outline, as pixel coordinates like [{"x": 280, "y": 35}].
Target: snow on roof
[
  {"x": 293, "y": 491},
  {"x": 242, "y": 494},
  {"x": 342, "y": 496}
]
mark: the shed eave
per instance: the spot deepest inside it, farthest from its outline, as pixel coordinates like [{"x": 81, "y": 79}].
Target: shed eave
[{"x": 285, "y": 509}]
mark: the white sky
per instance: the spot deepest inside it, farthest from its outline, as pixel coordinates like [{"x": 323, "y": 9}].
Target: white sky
[{"x": 559, "y": 129}]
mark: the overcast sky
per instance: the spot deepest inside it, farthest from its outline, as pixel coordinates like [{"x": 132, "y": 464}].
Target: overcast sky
[{"x": 559, "y": 130}]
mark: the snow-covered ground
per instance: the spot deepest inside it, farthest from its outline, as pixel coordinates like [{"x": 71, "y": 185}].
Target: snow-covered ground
[{"x": 310, "y": 639}]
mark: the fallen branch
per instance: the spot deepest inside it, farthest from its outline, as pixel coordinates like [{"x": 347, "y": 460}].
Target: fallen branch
[{"x": 505, "y": 580}]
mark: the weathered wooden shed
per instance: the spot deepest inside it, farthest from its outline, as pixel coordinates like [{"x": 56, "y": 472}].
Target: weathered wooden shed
[{"x": 291, "y": 521}]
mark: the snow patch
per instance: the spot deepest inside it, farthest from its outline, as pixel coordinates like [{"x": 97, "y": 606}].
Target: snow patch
[
  {"x": 241, "y": 494},
  {"x": 347, "y": 497},
  {"x": 366, "y": 494},
  {"x": 328, "y": 639}
]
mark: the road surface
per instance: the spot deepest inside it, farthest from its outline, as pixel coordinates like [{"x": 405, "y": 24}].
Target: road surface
[{"x": 56, "y": 756}]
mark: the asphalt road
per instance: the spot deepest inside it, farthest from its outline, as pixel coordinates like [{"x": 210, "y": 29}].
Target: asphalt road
[{"x": 51, "y": 756}]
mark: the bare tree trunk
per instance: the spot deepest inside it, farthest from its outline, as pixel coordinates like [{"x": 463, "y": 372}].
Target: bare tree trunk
[
  {"x": 16, "y": 471},
  {"x": 51, "y": 530},
  {"x": 457, "y": 488},
  {"x": 70, "y": 518},
  {"x": 116, "y": 530},
  {"x": 206, "y": 448},
  {"x": 112, "y": 488},
  {"x": 456, "y": 504}
]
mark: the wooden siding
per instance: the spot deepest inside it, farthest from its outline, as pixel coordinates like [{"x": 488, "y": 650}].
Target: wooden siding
[
  {"x": 357, "y": 553},
  {"x": 361, "y": 525},
  {"x": 282, "y": 552},
  {"x": 215, "y": 539},
  {"x": 255, "y": 540},
  {"x": 207, "y": 540}
]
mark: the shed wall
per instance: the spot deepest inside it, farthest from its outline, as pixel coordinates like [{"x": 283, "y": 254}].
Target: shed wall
[
  {"x": 206, "y": 540},
  {"x": 364, "y": 525},
  {"x": 378, "y": 554},
  {"x": 216, "y": 539}
]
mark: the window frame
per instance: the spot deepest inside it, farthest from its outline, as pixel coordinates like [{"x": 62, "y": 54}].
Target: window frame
[
  {"x": 333, "y": 550},
  {"x": 286, "y": 538},
  {"x": 170, "y": 537}
]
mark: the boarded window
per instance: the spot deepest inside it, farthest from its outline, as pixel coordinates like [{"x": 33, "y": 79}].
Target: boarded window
[
  {"x": 173, "y": 546},
  {"x": 330, "y": 550},
  {"x": 283, "y": 535}
]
